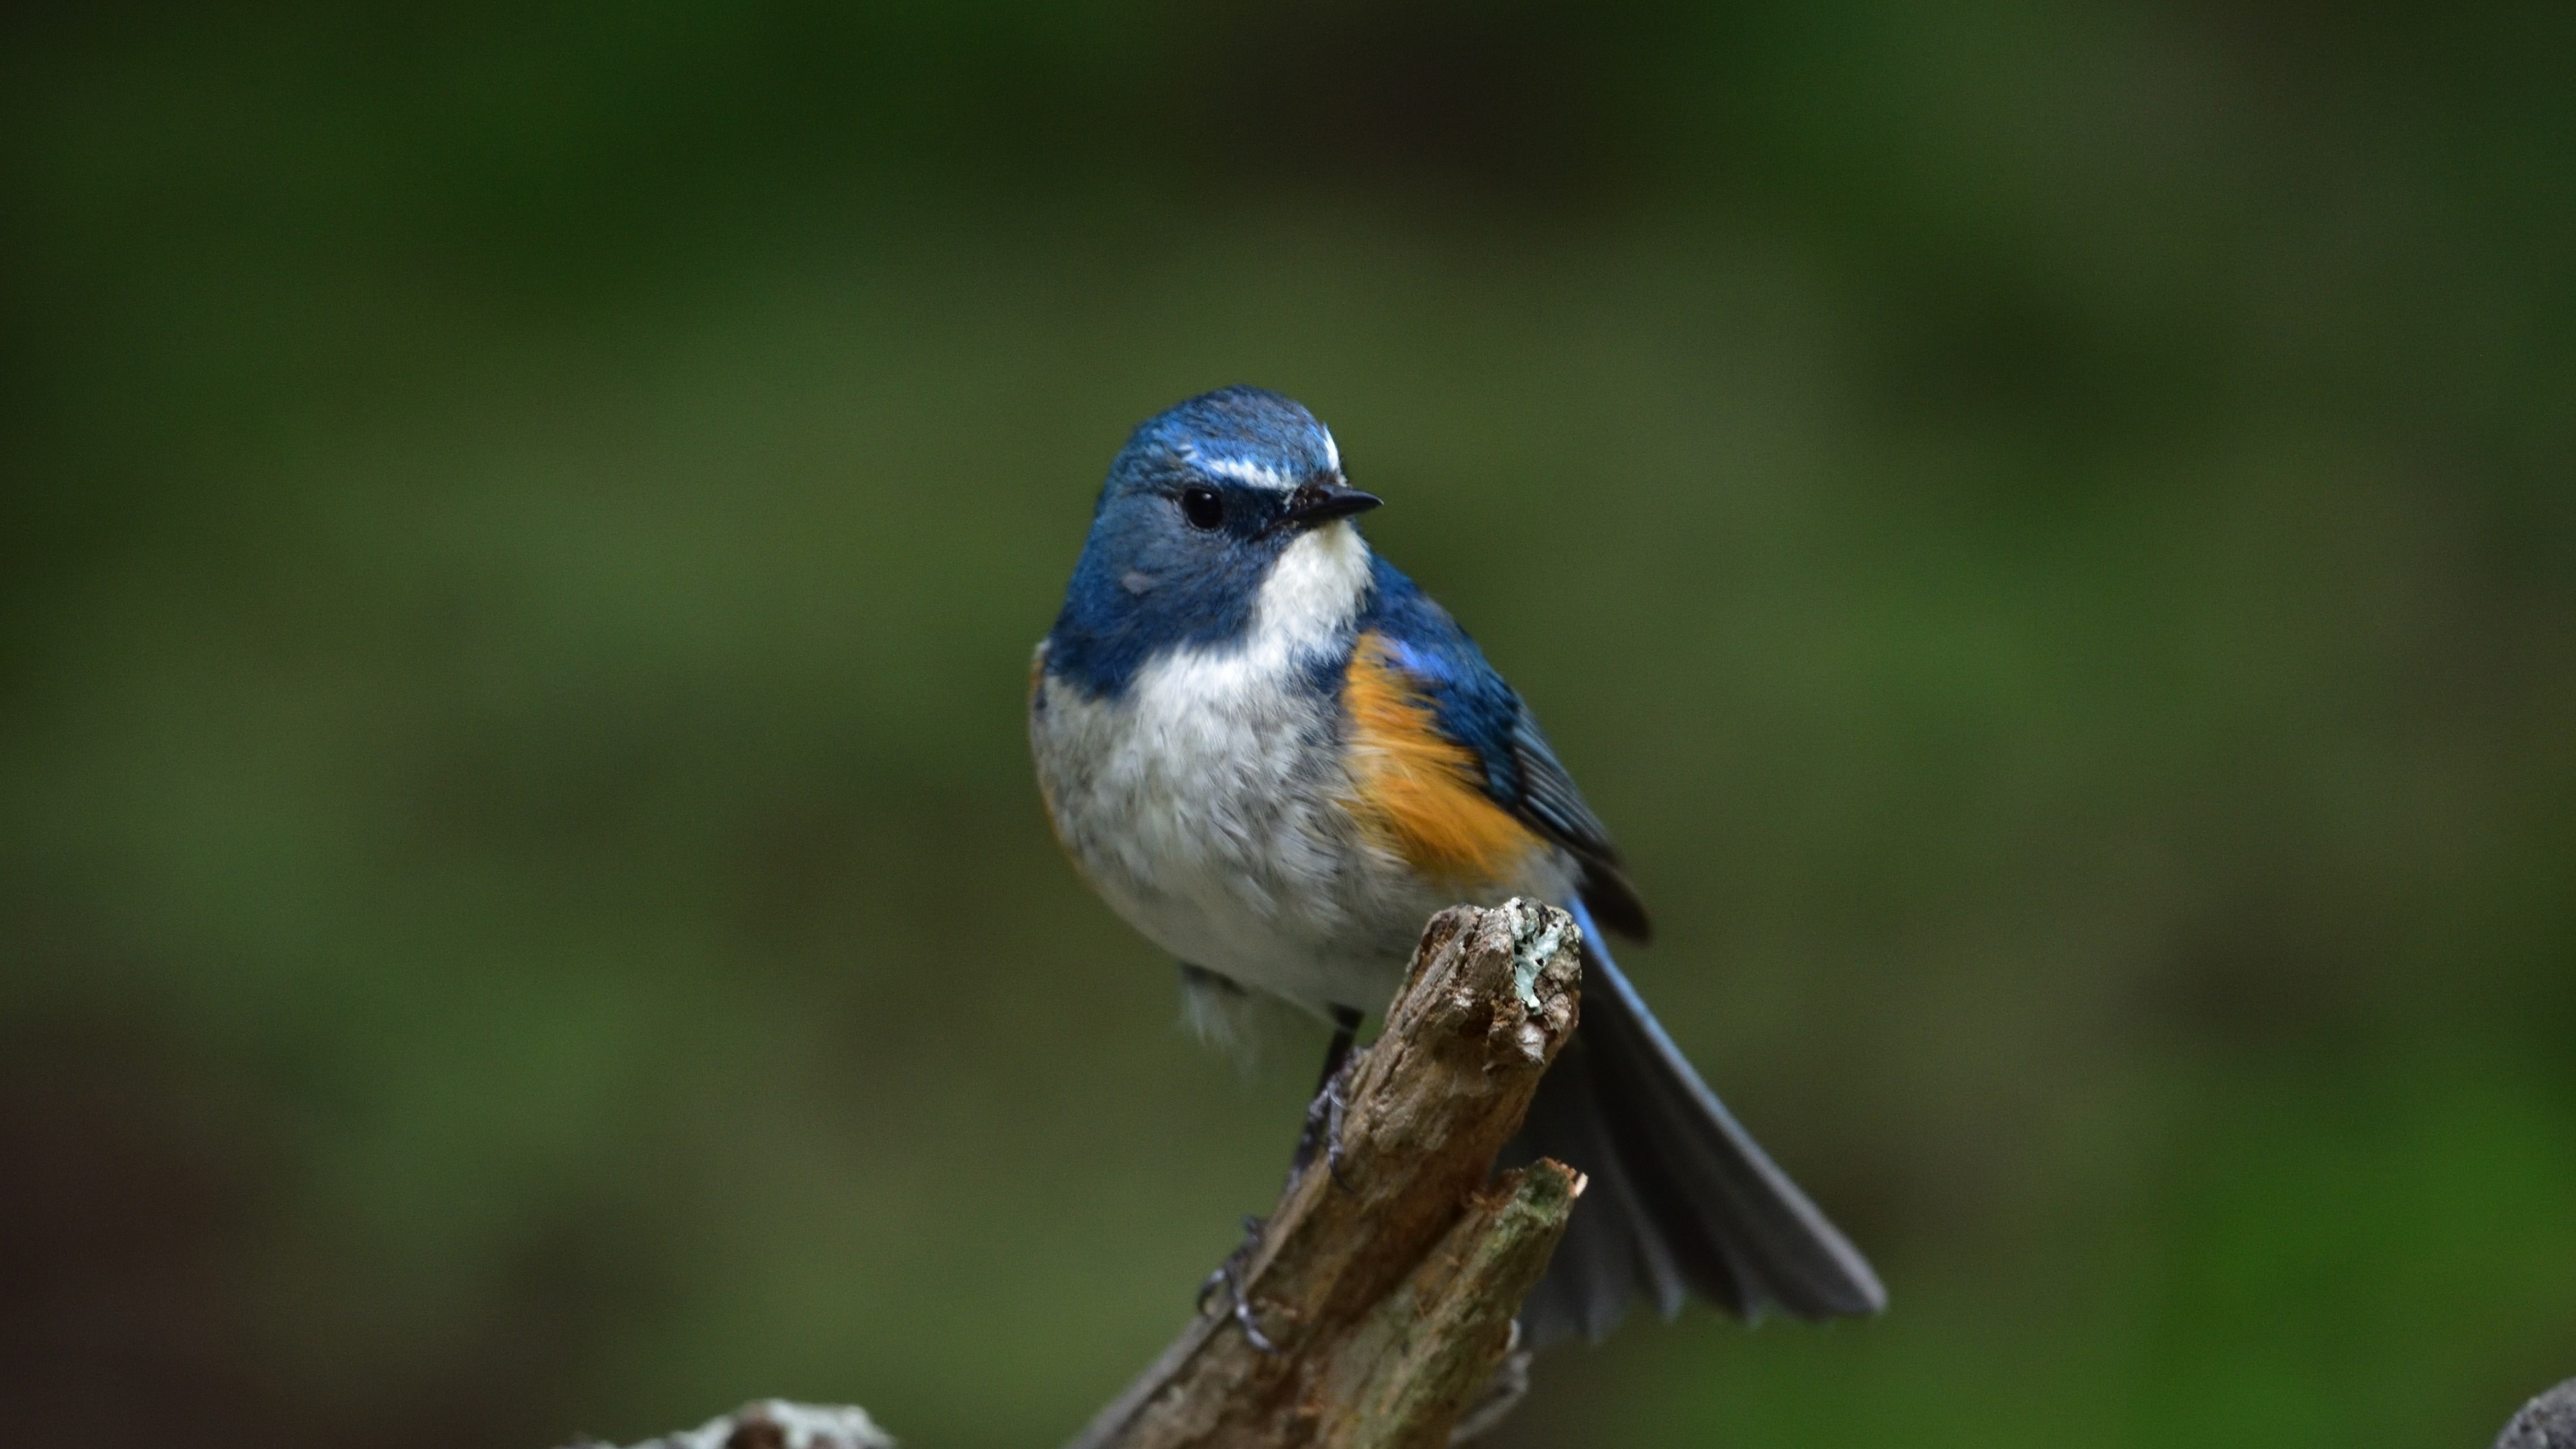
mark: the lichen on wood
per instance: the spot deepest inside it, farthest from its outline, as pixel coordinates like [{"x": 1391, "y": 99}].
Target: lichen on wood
[{"x": 775, "y": 1424}]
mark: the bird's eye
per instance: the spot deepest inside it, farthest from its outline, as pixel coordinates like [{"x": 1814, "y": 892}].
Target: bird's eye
[{"x": 1203, "y": 507}]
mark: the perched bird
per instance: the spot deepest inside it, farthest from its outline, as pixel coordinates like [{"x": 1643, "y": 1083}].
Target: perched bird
[{"x": 1276, "y": 757}]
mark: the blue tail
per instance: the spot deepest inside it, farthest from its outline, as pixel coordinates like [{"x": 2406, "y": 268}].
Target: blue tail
[{"x": 1681, "y": 1200}]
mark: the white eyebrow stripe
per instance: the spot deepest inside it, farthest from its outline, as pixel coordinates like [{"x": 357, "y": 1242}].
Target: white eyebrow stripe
[
  {"x": 1332, "y": 450},
  {"x": 1244, "y": 470}
]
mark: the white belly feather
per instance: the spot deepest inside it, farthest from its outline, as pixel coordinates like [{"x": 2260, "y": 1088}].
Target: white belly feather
[{"x": 1205, "y": 804}]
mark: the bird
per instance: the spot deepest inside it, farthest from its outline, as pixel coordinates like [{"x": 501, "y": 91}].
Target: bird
[{"x": 1275, "y": 757}]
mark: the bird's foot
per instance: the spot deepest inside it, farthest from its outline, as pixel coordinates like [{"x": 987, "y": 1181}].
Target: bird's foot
[
  {"x": 1323, "y": 1128},
  {"x": 1229, "y": 1276}
]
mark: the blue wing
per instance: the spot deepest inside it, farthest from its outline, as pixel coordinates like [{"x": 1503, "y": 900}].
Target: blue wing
[{"x": 1475, "y": 707}]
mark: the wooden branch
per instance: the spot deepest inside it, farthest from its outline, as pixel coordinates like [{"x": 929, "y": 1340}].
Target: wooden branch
[
  {"x": 774, "y": 1424},
  {"x": 2547, "y": 1422},
  {"x": 1390, "y": 1300},
  {"x": 1390, "y": 1294}
]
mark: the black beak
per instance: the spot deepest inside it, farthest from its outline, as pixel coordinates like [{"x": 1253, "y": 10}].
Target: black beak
[{"x": 1322, "y": 502}]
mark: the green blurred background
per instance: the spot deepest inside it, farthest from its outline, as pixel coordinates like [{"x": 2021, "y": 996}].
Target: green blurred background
[{"x": 2047, "y": 529}]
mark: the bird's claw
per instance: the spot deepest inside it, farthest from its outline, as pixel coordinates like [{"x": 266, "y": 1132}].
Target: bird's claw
[
  {"x": 1324, "y": 1118},
  {"x": 1229, "y": 1276}
]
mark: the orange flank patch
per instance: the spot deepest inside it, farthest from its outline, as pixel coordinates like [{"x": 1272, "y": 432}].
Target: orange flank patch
[{"x": 1418, "y": 792}]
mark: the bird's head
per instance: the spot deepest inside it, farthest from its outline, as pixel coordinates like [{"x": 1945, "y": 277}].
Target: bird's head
[{"x": 1219, "y": 510}]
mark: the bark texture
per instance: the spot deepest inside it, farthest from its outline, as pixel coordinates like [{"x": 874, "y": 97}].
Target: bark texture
[
  {"x": 1389, "y": 1293},
  {"x": 2547, "y": 1422},
  {"x": 774, "y": 1424}
]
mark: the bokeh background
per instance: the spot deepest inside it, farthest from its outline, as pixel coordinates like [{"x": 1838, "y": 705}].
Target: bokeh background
[{"x": 2046, "y": 528}]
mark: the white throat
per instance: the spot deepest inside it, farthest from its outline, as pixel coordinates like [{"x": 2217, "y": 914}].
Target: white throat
[{"x": 1314, "y": 591}]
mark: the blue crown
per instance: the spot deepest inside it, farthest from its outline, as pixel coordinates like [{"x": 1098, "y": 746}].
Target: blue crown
[{"x": 1243, "y": 433}]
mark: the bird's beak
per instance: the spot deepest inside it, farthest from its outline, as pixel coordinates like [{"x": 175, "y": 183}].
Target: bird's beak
[{"x": 1321, "y": 502}]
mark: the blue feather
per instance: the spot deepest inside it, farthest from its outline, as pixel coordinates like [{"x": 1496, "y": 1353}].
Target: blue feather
[{"x": 1474, "y": 707}]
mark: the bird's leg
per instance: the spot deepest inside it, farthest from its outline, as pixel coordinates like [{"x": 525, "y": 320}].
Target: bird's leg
[
  {"x": 1323, "y": 1129},
  {"x": 1229, "y": 1276},
  {"x": 1324, "y": 1113}
]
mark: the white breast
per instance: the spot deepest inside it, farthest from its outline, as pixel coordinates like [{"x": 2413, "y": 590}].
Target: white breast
[{"x": 1203, "y": 805}]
